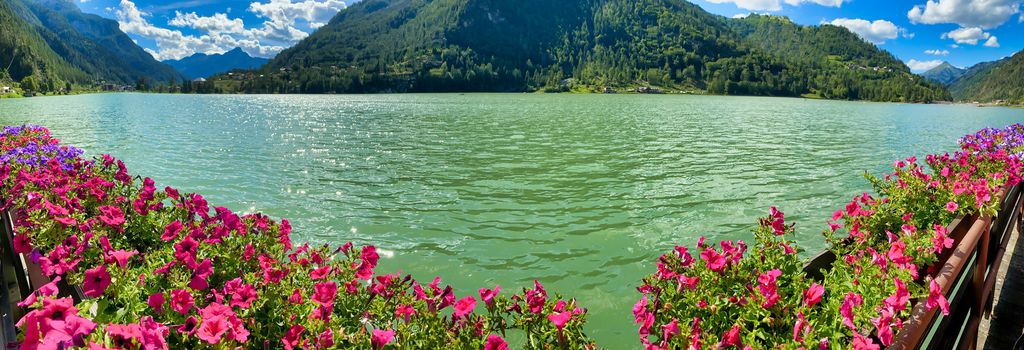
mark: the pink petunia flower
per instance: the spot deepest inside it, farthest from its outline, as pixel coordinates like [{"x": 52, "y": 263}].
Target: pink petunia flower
[
  {"x": 112, "y": 216},
  {"x": 380, "y": 338},
  {"x": 96, "y": 281},
  {"x": 494, "y": 342},
  {"x": 731, "y": 338},
  {"x": 487, "y": 295},
  {"x": 716, "y": 262},
  {"x": 156, "y": 302},
  {"x": 464, "y": 307},
  {"x": 952, "y": 207},
  {"x": 181, "y": 301},
  {"x": 560, "y": 319},
  {"x": 936, "y": 298},
  {"x": 813, "y": 294}
]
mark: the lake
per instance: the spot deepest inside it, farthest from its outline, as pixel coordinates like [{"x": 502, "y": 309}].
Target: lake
[{"x": 582, "y": 192}]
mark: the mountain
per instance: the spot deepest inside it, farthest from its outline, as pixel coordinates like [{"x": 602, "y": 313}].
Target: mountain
[
  {"x": 202, "y": 65},
  {"x": 93, "y": 46},
  {"x": 944, "y": 73},
  {"x": 992, "y": 81},
  {"x": 24, "y": 53},
  {"x": 496, "y": 45}
]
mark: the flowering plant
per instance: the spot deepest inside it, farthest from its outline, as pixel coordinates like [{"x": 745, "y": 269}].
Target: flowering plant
[
  {"x": 162, "y": 269},
  {"x": 887, "y": 258}
]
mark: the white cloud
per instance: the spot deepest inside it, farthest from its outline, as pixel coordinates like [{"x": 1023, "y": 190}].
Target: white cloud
[
  {"x": 955, "y": 46},
  {"x": 756, "y": 5},
  {"x": 776, "y": 5},
  {"x": 876, "y": 32},
  {"x": 921, "y": 66},
  {"x": 220, "y": 33},
  {"x": 218, "y": 23},
  {"x": 967, "y": 13},
  {"x": 937, "y": 52},
  {"x": 289, "y": 11},
  {"x": 969, "y": 36},
  {"x": 992, "y": 42}
]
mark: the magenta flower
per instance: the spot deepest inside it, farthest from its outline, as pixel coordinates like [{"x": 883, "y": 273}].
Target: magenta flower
[
  {"x": 640, "y": 310},
  {"x": 212, "y": 329},
  {"x": 800, "y": 328},
  {"x": 494, "y": 342},
  {"x": 124, "y": 335},
  {"x": 121, "y": 257},
  {"x": 96, "y": 281},
  {"x": 778, "y": 222},
  {"x": 368, "y": 261},
  {"x": 296, "y": 297},
  {"x": 380, "y": 338},
  {"x": 319, "y": 273},
  {"x": 951, "y": 207},
  {"x": 171, "y": 231},
  {"x": 883, "y": 324},
  {"x": 813, "y": 294},
  {"x": 293, "y": 337},
  {"x": 405, "y": 312},
  {"x": 487, "y": 295},
  {"x": 112, "y": 216},
  {"x": 898, "y": 301},
  {"x": 560, "y": 319},
  {"x": 715, "y": 262},
  {"x": 464, "y": 307},
  {"x": 156, "y": 302},
  {"x": 181, "y": 301},
  {"x": 940, "y": 240},
  {"x": 22, "y": 244},
  {"x": 670, "y": 330},
  {"x": 243, "y": 296},
  {"x": 731, "y": 337},
  {"x": 325, "y": 340},
  {"x": 324, "y": 293},
  {"x": 861, "y": 342},
  {"x": 687, "y": 282},
  {"x": 768, "y": 287},
  {"x": 851, "y": 301},
  {"x": 936, "y": 298}
]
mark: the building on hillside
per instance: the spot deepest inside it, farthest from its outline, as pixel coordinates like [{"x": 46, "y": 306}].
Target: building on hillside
[
  {"x": 199, "y": 80},
  {"x": 5, "y": 89}
]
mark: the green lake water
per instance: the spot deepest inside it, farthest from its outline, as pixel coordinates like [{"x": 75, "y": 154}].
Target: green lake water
[{"x": 582, "y": 192}]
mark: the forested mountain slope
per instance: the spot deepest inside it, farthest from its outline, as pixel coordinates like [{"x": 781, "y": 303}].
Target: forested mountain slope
[
  {"x": 1001, "y": 80},
  {"x": 64, "y": 44},
  {"x": 495, "y": 45}
]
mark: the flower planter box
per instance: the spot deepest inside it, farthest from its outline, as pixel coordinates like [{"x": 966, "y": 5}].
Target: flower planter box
[
  {"x": 967, "y": 274},
  {"x": 21, "y": 277}
]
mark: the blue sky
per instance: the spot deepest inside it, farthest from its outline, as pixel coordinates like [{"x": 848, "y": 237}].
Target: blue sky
[{"x": 920, "y": 32}]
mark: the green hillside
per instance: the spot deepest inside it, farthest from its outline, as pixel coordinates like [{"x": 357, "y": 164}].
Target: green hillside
[
  {"x": 494, "y": 45},
  {"x": 1001, "y": 80},
  {"x": 55, "y": 43},
  {"x": 24, "y": 53}
]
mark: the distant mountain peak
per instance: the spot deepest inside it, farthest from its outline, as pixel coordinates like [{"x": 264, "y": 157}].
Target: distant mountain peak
[
  {"x": 945, "y": 73},
  {"x": 201, "y": 65}
]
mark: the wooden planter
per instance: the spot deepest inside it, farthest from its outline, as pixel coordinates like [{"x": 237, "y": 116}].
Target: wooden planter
[
  {"x": 21, "y": 277},
  {"x": 967, "y": 274}
]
